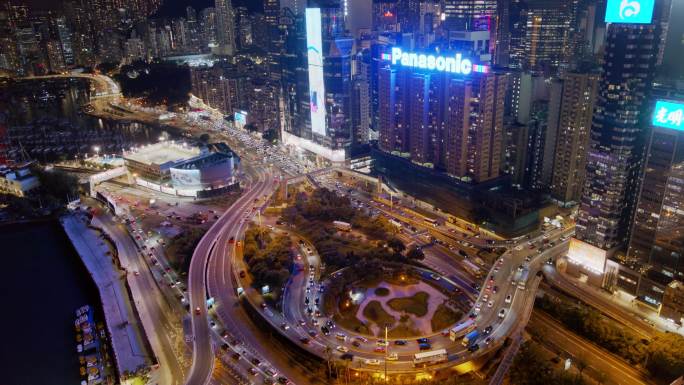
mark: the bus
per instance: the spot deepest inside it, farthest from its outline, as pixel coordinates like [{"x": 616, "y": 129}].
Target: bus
[
  {"x": 430, "y": 358},
  {"x": 461, "y": 329},
  {"x": 471, "y": 268},
  {"x": 431, "y": 221}
]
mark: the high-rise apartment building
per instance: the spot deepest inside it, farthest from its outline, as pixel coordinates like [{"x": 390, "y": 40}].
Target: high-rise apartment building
[
  {"x": 225, "y": 27},
  {"x": 575, "y": 106},
  {"x": 540, "y": 32},
  {"x": 469, "y": 15},
  {"x": 657, "y": 235},
  {"x": 617, "y": 138},
  {"x": 442, "y": 120}
]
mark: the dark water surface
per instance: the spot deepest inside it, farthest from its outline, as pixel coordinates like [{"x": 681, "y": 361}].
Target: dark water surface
[{"x": 43, "y": 282}]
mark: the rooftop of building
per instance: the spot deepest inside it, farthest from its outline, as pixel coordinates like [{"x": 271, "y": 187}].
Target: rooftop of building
[
  {"x": 203, "y": 160},
  {"x": 162, "y": 153}
]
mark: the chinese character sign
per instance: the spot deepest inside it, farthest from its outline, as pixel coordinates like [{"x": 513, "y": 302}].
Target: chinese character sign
[
  {"x": 669, "y": 115},
  {"x": 629, "y": 11}
]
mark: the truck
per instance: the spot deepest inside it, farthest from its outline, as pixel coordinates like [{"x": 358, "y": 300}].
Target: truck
[
  {"x": 342, "y": 226},
  {"x": 470, "y": 338},
  {"x": 462, "y": 328}
]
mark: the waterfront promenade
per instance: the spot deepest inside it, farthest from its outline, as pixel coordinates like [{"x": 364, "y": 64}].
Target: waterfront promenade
[{"x": 126, "y": 332}]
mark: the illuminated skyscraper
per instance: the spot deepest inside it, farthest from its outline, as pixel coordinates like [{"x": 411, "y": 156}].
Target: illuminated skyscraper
[
  {"x": 575, "y": 106},
  {"x": 225, "y": 27},
  {"x": 617, "y": 138},
  {"x": 469, "y": 15}
]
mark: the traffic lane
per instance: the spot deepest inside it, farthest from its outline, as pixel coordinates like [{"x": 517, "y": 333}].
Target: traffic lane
[
  {"x": 557, "y": 280},
  {"x": 620, "y": 371},
  {"x": 202, "y": 362},
  {"x": 152, "y": 306}
]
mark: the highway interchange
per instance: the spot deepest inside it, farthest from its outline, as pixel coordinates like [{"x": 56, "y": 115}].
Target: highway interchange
[{"x": 213, "y": 274}]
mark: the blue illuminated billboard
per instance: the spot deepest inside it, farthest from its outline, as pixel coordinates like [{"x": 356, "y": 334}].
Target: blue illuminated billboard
[
  {"x": 240, "y": 118},
  {"x": 314, "y": 44},
  {"x": 629, "y": 11},
  {"x": 669, "y": 115}
]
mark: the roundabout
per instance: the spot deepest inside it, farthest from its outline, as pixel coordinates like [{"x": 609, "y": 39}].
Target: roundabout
[{"x": 409, "y": 305}]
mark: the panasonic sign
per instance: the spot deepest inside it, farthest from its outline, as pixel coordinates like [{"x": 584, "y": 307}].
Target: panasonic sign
[{"x": 454, "y": 65}]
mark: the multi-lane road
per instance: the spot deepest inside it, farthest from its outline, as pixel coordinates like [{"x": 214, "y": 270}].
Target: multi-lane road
[{"x": 212, "y": 242}]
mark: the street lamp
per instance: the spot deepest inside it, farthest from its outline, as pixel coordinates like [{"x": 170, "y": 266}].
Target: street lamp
[{"x": 97, "y": 151}]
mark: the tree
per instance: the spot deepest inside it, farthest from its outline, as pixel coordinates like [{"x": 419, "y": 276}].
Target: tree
[
  {"x": 581, "y": 363},
  {"x": 396, "y": 244},
  {"x": 415, "y": 254}
]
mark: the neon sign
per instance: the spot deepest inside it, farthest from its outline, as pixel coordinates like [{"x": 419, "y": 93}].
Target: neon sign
[
  {"x": 629, "y": 11},
  {"x": 669, "y": 115},
  {"x": 455, "y": 65}
]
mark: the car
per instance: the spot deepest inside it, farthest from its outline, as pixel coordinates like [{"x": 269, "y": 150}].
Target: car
[
  {"x": 285, "y": 326},
  {"x": 252, "y": 371},
  {"x": 435, "y": 277},
  {"x": 270, "y": 372},
  {"x": 255, "y": 361},
  {"x": 361, "y": 339},
  {"x": 341, "y": 336},
  {"x": 235, "y": 356},
  {"x": 487, "y": 330},
  {"x": 379, "y": 349},
  {"x": 423, "y": 340},
  {"x": 212, "y": 323},
  {"x": 400, "y": 342},
  {"x": 508, "y": 299},
  {"x": 225, "y": 347},
  {"x": 393, "y": 357},
  {"x": 198, "y": 311},
  {"x": 325, "y": 330},
  {"x": 381, "y": 343},
  {"x": 474, "y": 347},
  {"x": 372, "y": 361},
  {"x": 495, "y": 289},
  {"x": 304, "y": 340},
  {"x": 356, "y": 343},
  {"x": 342, "y": 349},
  {"x": 313, "y": 333},
  {"x": 283, "y": 381},
  {"x": 490, "y": 303},
  {"x": 302, "y": 322},
  {"x": 488, "y": 341},
  {"x": 502, "y": 313},
  {"x": 424, "y": 346}
]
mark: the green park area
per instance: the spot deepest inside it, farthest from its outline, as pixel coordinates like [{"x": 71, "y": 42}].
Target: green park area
[
  {"x": 268, "y": 258},
  {"x": 375, "y": 312},
  {"x": 416, "y": 304},
  {"x": 444, "y": 317},
  {"x": 662, "y": 356}
]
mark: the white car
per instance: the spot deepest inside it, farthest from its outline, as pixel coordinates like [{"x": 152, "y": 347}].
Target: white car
[
  {"x": 490, "y": 303},
  {"x": 372, "y": 362},
  {"x": 393, "y": 357},
  {"x": 342, "y": 349},
  {"x": 502, "y": 313},
  {"x": 508, "y": 298}
]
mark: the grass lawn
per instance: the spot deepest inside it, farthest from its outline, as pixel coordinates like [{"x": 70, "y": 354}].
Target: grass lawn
[
  {"x": 402, "y": 331},
  {"x": 416, "y": 304},
  {"x": 382, "y": 292},
  {"x": 374, "y": 312},
  {"x": 444, "y": 317}
]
